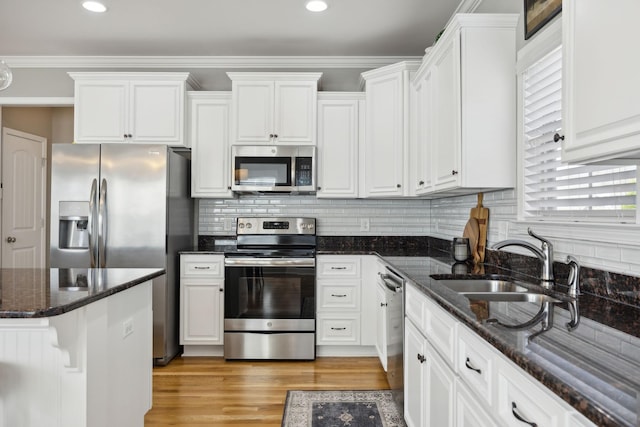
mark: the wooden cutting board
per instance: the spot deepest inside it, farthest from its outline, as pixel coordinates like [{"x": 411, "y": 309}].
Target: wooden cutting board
[{"x": 481, "y": 215}]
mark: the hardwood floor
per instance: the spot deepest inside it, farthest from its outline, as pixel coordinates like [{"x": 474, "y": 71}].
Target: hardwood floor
[{"x": 214, "y": 392}]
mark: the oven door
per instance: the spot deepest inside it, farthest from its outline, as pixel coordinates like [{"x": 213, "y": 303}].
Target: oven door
[{"x": 269, "y": 294}]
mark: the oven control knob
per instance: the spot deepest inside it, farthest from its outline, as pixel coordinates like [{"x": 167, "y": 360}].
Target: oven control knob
[
  {"x": 249, "y": 225},
  {"x": 269, "y": 324},
  {"x": 240, "y": 225},
  {"x": 310, "y": 226}
]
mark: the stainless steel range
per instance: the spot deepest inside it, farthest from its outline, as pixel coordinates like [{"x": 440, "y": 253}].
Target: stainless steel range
[{"x": 270, "y": 282}]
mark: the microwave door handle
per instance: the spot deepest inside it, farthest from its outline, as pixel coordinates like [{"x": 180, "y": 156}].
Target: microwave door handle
[{"x": 92, "y": 222}]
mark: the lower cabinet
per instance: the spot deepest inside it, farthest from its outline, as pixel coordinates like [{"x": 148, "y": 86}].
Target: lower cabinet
[
  {"x": 482, "y": 387},
  {"x": 429, "y": 383},
  {"x": 381, "y": 324},
  {"x": 201, "y": 303}
]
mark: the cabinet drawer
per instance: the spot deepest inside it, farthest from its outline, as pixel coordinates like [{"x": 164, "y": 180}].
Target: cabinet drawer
[
  {"x": 476, "y": 364},
  {"x": 333, "y": 295},
  {"x": 202, "y": 266},
  {"x": 338, "y": 329},
  {"x": 440, "y": 330},
  {"x": 521, "y": 396},
  {"x": 414, "y": 306},
  {"x": 338, "y": 266}
]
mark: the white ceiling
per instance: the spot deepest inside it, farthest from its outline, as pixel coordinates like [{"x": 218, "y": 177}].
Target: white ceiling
[{"x": 221, "y": 28}]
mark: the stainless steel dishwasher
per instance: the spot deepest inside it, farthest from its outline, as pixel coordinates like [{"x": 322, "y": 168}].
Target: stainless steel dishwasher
[{"x": 394, "y": 293}]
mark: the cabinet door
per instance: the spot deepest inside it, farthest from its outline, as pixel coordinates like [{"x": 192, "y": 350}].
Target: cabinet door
[
  {"x": 469, "y": 412},
  {"x": 338, "y": 148},
  {"x": 446, "y": 117},
  {"x": 421, "y": 160},
  {"x": 381, "y": 325},
  {"x": 384, "y": 136},
  {"x": 252, "y": 119},
  {"x": 209, "y": 140},
  {"x": 601, "y": 112},
  {"x": 157, "y": 112},
  {"x": 414, "y": 387},
  {"x": 295, "y": 112},
  {"x": 101, "y": 111},
  {"x": 429, "y": 392},
  {"x": 202, "y": 311}
]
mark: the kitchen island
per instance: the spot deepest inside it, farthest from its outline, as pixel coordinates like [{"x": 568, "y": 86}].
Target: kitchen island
[{"x": 75, "y": 346}]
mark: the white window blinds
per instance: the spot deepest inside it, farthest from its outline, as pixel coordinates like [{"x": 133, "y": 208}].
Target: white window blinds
[{"x": 556, "y": 190}]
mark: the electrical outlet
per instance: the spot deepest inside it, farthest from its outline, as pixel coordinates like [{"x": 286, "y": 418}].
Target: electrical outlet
[
  {"x": 127, "y": 328},
  {"x": 364, "y": 224}
]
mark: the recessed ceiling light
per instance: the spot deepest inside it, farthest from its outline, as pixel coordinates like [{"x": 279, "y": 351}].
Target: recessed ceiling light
[
  {"x": 94, "y": 6},
  {"x": 316, "y": 5}
]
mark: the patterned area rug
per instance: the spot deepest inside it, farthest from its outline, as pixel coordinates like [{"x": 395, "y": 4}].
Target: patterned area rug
[{"x": 341, "y": 409}]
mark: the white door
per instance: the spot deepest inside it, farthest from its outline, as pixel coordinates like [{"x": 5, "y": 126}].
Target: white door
[{"x": 23, "y": 201}]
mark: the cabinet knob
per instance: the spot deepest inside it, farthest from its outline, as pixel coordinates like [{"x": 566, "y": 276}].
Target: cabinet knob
[
  {"x": 271, "y": 135},
  {"x": 221, "y": 290},
  {"x": 557, "y": 137},
  {"x": 421, "y": 358},
  {"x": 398, "y": 186},
  {"x": 454, "y": 172},
  {"x": 319, "y": 188},
  {"x": 11, "y": 239},
  {"x": 421, "y": 183},
  {"x": 229, "y": 188}
]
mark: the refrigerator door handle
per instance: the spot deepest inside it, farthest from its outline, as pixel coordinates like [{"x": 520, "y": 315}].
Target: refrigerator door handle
[
  {"x": 102, "y": 224},
  {"x": 91, "y": 224}
]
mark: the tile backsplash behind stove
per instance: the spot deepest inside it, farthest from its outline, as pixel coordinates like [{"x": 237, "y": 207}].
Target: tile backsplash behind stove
[{"x": 336, "y": 217}]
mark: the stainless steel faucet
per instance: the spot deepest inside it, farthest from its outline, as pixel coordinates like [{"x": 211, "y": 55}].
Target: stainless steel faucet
[{"x": 545, "y": 254}]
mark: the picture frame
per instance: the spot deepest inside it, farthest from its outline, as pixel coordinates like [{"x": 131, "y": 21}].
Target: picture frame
[{"x": 537, "y": 13}]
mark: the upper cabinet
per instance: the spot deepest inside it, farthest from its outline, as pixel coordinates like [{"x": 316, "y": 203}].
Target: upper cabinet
[
  {"x": 209, "y": 140},
  {"x": 384, "y": 169},
  {"x": 274, "y": 108},
  {"x": 466, "y": 102},
  {"x": 130, "y": 108},
  {"x": 338, "y": 142},
  {"x": 601, "y": 87}
]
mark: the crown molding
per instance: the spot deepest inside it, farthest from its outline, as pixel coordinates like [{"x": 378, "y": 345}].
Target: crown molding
[{"x": 227, "y": 62}]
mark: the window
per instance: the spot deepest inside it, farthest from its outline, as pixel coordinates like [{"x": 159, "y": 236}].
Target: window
[{"x": 556, "y": 190}]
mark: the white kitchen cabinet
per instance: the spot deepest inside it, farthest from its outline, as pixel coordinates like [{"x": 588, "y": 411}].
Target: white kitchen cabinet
[
  {"x": 429, "y": 383},
  {"x": 339, "y": 133},
  {"x": 274, "y": 108},
  {"x": 422, "y": 137},
  {"x": 466, "y": 107},
  {"x": 209, "y": 140},
  {"x": 600, "y": 84},
  {"x": 385, "y": 152},
  {"x": 487, "y": 383},
  {"x": 338, "y": 288},
  {"x": 381, "y": 324},
  {"x": 201, "y": 301},
  {"x": 130, "y": 108}
]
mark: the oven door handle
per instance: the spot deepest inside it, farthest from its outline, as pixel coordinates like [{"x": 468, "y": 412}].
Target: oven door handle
[{"x": 270, "y": 262}]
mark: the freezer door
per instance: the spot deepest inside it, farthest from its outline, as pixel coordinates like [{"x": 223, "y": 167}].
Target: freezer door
[
  {"x": 133, "y": 208},
  {"x": 74, "y": 167}
]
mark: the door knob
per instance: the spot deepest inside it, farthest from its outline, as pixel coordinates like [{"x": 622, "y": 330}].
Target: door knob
[{"x": 11, "y": 239}]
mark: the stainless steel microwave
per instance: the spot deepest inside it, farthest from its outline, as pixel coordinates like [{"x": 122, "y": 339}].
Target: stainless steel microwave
[{"x": 273, "y": 168}]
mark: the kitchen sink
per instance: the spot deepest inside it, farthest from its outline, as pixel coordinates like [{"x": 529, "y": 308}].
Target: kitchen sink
[
  {"x": 510, "y": 297},
  {"x": 481, "y": 285}
]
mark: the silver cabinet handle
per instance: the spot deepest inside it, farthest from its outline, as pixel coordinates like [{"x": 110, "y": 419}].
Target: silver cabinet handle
[
  {"x": 468, "y": 364},
  {"x": 201, "y": 268},
  {"x": 338, "y": 268},
  {"x": 383, "y": 304},
  {"x": 338, "y": 329},
  {"x": 11, "y": 239},
  {"x": 514, "y": 411},
  {"x": 339, "y": 295}
]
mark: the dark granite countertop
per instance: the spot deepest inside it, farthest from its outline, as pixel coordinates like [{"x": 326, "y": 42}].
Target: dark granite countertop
[
  {"x": 44, "y": 292},
  {"x": 595, "y": 367}
]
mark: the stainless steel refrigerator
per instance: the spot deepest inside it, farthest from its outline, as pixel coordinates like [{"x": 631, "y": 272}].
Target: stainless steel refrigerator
[{"x": 125, "y": 206}]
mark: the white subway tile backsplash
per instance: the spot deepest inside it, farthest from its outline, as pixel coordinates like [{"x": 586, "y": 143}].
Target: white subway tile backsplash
[{"x": 443, "y": 218}]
